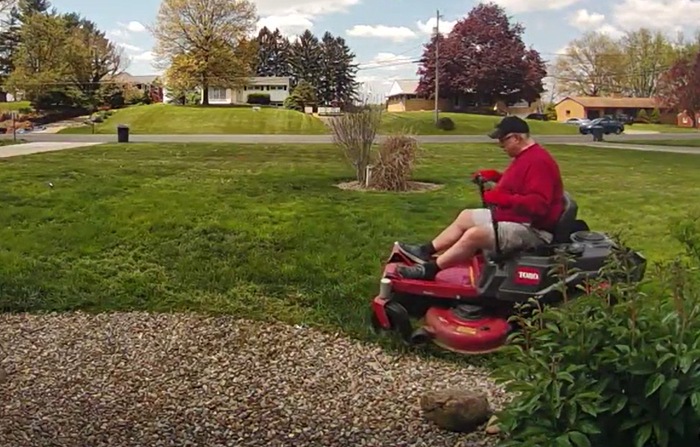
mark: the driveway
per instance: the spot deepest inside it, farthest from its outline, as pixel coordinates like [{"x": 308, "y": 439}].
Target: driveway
[{"x": 14, "y": 150}]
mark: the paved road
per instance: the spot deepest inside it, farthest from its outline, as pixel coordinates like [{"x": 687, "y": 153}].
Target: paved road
[{"x": 325, "y": 139}]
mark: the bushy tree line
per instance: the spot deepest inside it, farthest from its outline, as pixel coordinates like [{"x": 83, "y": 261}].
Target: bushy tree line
[
  {"x": 483, "y": 60},
  {"x": 326, "y": 65},
  {"x": 57, "y": 60}
]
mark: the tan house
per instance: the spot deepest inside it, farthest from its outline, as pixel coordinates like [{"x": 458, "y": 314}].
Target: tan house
[
  {"x": 592, "y": 107},
  {"x": 402, "y": 97}
]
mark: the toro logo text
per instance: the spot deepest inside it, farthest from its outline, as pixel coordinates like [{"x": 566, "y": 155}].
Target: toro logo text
[{"x": 528, "y": 276}]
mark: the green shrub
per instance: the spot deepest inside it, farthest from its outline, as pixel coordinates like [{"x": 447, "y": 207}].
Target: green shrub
[
  {"x": 655, "y": 116},
  {"x": 445, "y": 123},
  {"x": 642, "y": 116},
  {"x": 619, "y": 366}
]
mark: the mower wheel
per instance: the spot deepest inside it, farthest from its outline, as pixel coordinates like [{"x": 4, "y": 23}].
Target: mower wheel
[
  {"x": 420, "y": 337},
  {"x": 400, "y": 320}
]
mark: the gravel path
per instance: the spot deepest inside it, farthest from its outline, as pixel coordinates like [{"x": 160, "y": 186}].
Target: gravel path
[{"x": 136, "y": 379}]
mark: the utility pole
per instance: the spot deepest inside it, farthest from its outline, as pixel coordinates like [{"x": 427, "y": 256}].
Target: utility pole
[{"x": 437, "y": 61}]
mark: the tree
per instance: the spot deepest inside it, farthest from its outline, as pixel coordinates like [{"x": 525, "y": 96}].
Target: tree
[
  {"x": 304, "y": 59},
  {"x": 592, "y": 65},
  {"x": 336, "y": 83},
  {"x": 92, "y": 58},
  {"x": 426, "y": 68},
  {"x": 41, "y": 60},
  {"x": 211, "y": 37},
  {"x": 647, "y": 55},
  {"x": 679, "y": 87},
  {"x": 18, "y": 12},
  {"x": 273, "y": 53},
  {"x": 61, "y": 60},
  {"x": 485, "y": 60}
]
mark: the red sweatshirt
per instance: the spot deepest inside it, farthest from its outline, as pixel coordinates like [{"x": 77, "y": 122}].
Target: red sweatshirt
[{"x": 534, "y": 182}]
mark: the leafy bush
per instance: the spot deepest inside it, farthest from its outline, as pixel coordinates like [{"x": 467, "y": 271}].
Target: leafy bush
[
  {"x": 259, "y": 98},
  {"x": 445, "y": 123},
  {"x": 354, "y": 132},
  {"x": 394, "y": 165},
  {"x": 655, "y": 117},
  {"x": 616, "y": 367},
  {"x": 642, "y": 116}
]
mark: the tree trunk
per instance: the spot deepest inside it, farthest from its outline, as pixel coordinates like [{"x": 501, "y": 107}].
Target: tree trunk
[{"x": 205, "y": 95}]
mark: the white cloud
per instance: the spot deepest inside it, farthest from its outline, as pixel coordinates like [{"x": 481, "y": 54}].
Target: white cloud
[
  {"x": 304, "y": 7},
  {"x": 584, "y": 20},
  {"x": 130, "y": 48},
  {"x": 610, "y": 31},
  {"x": 292, "y": 17},
  {"x": 660, "y": 14},
  {"x": 146, "y": 56},
  {"x": 134, "y": 26},
  {"x": 427, "y": 26},
  {"x": 393, "y": 33},
  {"x": 289, "y": 25},
  {"x": 519, "y": 6}
]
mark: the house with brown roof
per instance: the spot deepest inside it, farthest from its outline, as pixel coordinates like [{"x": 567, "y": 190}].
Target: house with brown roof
[
  {"x": 402, "y": 97},
  {"x": 592, "y": 107}
]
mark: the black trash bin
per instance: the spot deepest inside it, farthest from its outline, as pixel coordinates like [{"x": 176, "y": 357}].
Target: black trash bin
[
  {"x": 597, "y": 132},
  {"x": 123, "y": 133}
]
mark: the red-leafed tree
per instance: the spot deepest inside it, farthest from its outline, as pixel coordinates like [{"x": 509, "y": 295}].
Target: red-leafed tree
[
  {"x": 679, "y": 86},
  {"x": 483, "y": 59}
]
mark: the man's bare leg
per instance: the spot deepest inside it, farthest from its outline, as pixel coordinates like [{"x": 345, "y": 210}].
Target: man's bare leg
[
  {"x": 474, "y": 239},
  {"x": 446, "y": 239},
  {"x": 450, "y": 235}
]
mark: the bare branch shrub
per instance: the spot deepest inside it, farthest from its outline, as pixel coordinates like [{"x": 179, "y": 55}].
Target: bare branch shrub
[
  {"x": 355, "y": 132},
  {"x": 395, "y": 162}
]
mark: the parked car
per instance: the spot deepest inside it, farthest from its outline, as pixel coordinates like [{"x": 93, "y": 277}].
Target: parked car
[
  {"x": 577, "y": 121},
  {"x": 609, "y": 126},
  {"x": 537, "y": 116}
]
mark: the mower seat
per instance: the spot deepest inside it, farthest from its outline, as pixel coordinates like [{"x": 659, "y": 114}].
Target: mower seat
[{"x": 567, "y": 221}]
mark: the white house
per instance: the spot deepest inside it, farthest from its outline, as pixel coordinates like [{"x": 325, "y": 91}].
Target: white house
[{"x": 276, "y": 87}]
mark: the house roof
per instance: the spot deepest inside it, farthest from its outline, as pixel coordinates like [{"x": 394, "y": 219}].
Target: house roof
[
  {"x": 128, "y": 77},
  {"x": 613, "y": 102},
  {"x": 404, "y": 87}
]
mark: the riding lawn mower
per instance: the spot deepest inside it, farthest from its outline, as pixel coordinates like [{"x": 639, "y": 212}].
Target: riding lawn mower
[{"x": 466, "y": 308}]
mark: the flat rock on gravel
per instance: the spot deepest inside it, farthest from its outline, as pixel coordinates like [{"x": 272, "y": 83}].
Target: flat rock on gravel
[{"x": 138, "y": 379}]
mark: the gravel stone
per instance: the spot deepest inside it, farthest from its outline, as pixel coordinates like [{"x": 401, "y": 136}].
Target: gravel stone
[{"x": 139, "y": 379}]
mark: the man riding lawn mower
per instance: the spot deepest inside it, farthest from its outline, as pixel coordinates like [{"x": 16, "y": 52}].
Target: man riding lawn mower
[{"x": 465, "y": 282}]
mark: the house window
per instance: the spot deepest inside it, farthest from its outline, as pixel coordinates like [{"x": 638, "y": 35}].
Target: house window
[{"x": 217, "y": 93}]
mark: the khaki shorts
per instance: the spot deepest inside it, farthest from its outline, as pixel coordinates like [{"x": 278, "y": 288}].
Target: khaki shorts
[{"x": 512, "y": 235}]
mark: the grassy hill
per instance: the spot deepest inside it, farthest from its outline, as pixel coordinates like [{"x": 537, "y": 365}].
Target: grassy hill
[
  {"x": 171, "y": 119},
  {"x": 465, "y": 124}
]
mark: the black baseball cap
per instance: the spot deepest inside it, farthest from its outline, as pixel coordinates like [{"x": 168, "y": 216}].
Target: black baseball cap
[{"x": 509, "y": 124}]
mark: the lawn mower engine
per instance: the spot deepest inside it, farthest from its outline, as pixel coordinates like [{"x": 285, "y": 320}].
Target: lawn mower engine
[{"x": 466, "y": 308}]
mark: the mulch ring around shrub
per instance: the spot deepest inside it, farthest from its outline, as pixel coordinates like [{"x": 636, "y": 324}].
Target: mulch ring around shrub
[{"x": 413, "y": 186}]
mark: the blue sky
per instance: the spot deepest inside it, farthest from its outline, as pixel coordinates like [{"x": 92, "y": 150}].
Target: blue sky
[{"x": 386, "y": 34}]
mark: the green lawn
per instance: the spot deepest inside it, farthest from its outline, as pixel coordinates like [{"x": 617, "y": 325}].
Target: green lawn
[
  {"x": 465, "y": 124},
  {"x": 261, "y": 230},
  {"x": 171, "y": 119},
  {"x": 661, "y": 128},
  {"x": 683, "y": 142},
  {"x": 14, "y": 105}
]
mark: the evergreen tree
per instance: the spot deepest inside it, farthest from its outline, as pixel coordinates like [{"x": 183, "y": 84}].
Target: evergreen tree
[
  {"x": 304, "y": 60},
  {"x": 273, "y": 53},
  {"x": 345, "y": 85},
  {"x": 12, "y": 27}
]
